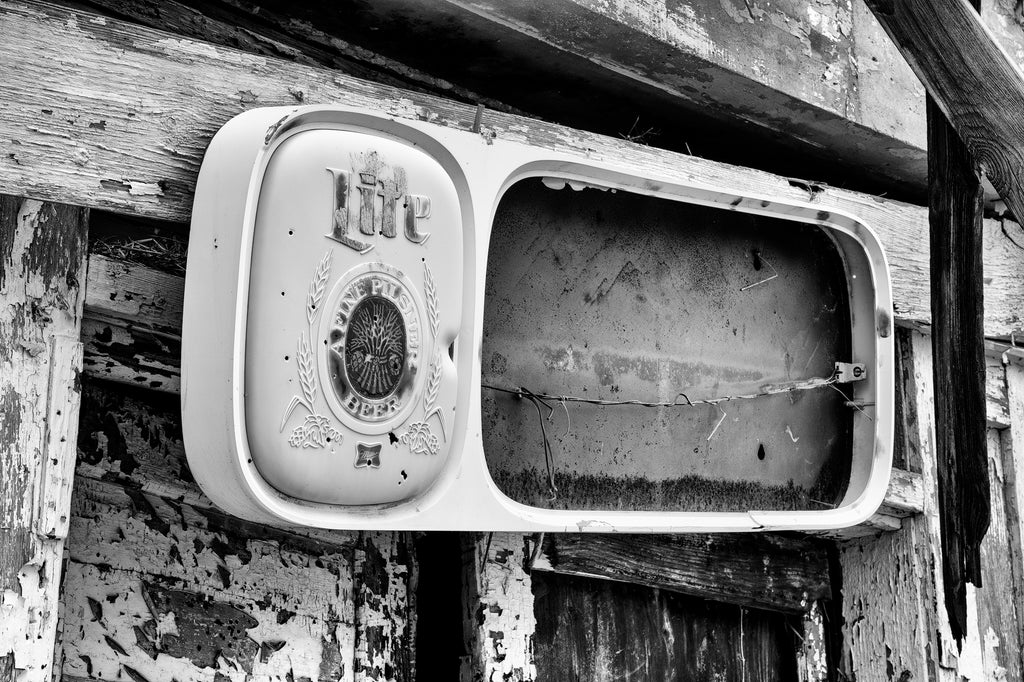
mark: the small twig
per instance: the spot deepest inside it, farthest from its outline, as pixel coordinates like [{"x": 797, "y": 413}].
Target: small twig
[{"x": 766, "y": 279}]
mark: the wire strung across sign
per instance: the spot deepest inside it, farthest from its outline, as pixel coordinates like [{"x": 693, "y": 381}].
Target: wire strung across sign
[{"x": 681, "y": 400}]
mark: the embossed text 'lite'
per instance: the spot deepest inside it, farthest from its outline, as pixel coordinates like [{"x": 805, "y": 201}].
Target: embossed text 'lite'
[{"x": 377, "y": 192}]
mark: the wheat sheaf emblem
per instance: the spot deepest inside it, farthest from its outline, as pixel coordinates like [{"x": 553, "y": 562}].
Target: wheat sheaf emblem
[{"x": 316, "y": 430}]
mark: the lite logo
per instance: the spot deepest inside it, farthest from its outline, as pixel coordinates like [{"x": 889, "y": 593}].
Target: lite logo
[{"x": 379, "y": 192}]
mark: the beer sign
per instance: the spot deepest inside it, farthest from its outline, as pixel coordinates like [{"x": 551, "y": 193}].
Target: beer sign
[{"x": 334, "y": 324}]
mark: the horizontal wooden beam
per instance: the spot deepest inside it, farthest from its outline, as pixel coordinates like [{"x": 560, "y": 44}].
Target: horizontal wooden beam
[
  {"x": 978, "y": 87},
  {"x": 756, "y": 571},
  {"x": 837, "y": 97},
  {"x": 55, "y": 110}
]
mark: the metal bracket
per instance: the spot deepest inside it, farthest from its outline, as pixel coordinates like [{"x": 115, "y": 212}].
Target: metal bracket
[{"x": 847, "y": 372}]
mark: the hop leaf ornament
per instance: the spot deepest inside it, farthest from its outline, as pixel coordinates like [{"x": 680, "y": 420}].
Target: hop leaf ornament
[
  {"x": 315, "y": 431},
  {"x": 420, "y": 439}
]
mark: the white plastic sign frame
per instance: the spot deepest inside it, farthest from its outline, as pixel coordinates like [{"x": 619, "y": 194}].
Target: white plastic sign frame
[{"x": 462, "y": 494}]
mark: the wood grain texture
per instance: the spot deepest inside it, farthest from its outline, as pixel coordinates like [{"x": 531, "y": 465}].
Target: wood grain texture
[
  {"x": 1012, "y": 468},
  {"x": 42, "y": 273},
  {"x": 605, "y": 631},
  {"x": 1000, "y": 628},
  {"x": 152, "y": 169},
  {"x": 753, "y": 571},
  {"x": 958, "y": 360},
  {"x": 267, "y": 30},
  {"x": 979, "y": 89},
  {"x": 646, "y": 67}
]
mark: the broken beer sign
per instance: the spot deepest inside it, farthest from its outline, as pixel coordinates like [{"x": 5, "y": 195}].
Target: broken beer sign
[{"x": 354, "y": 302}]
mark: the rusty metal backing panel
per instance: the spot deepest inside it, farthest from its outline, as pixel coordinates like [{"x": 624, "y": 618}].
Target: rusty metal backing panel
[{"x": 623, "y": 296}]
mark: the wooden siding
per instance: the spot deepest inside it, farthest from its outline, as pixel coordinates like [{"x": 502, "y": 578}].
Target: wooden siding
[{"x": 162, "y": 585}]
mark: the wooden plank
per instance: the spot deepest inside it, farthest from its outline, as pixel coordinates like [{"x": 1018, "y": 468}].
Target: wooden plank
[
  {"x": 607, "y": 631},
  {"x": 812, "y": 658},
  {"x": 289, "y": 34},
  {"x": 1012, "y": 467},
  {"x": 997, "y": 402},
  {"x": 892, "y": 591},
  {"x": 979, "y": 89},
  {"x": 647, "y": 65},
  {"x": 42, "y": 271},
  {"x": 158, "y": 590},
  {"x": 141, "y": 296},
  {"x": 131, "y": 355},
  {"x": 152, "y": 169},
  {"x": 1000, "y": 628},
  {"x": 958, "y": 359},
  {"x": 384, "y": 638},
  {"x": 754, "y": 571},
  {"x": 497, "y": 609}
]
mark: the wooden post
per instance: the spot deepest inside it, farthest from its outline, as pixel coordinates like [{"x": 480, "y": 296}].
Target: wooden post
[
  {"x": 497, "y": 605},
  {"x": 976, "y": 85},
  {"x": 956, "y": 203},
  {"x": 384, "y": 641},
  {"x": 42, "y": 275}
]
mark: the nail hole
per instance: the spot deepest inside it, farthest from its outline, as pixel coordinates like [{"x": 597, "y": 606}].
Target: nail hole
[
  {"x": 286, "y": 358},
  {"x": 451, "y": 351},
  {"x": 760, "y": 451},
  {"x": 392, "y": 437}
]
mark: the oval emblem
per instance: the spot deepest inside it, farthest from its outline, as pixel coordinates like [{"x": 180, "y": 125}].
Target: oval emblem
[{"x": 375, "y": 348}]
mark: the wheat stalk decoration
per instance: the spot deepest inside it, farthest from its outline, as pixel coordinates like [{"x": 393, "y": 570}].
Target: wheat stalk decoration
[
  {"x": 430, "y": 289},
  {"x": 317, "y": 287},
  {"x": 430, "y": 397},
  {"x": 433, "y": 383},
  {"x": 307, "y": 376}
]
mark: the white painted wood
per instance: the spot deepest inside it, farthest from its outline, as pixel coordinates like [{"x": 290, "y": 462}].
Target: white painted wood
[
  {"x": 892, "y": 585},
  {"x": 42, "y": 268},
  {"x": 498, "y": 617}
]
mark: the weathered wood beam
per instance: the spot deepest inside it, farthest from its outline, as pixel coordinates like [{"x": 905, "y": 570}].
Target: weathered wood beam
[
  {"x": 42, "y": 275},
  {"x": 955, "y": 218},
  {"x": 978, "y": 88},
  {"x": 761, "y": 571},
  {"x": 674, "y": 75},
  {"x": 153, "y": 168}
]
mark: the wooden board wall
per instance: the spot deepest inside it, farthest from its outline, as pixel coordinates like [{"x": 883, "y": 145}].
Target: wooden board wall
[{"x": 161, "y": 585}]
